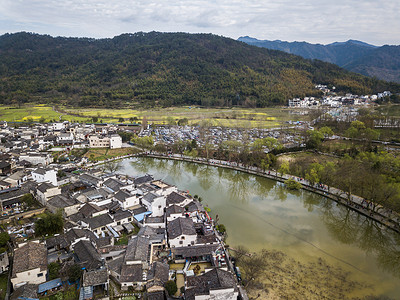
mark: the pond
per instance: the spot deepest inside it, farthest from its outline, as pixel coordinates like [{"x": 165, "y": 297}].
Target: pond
[{"x": 262, "y": 214}]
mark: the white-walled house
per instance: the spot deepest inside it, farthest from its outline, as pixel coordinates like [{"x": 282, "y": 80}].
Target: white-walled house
[
  {"x": 173, "y": 212},
  {"x": 45, "y": 175},
  {"x": 154, "y": 203},
  {"x": 126, "y": 199},
  {"x": 177, "y": 199},
  {"x": 162, "y": 188},
  {"x": 57, "y": 126},
  {"x": 181, "y": 232},
  {"x": 30, "y": 264},
  {"x": 45, "y": 191},
  {"x": 36, "y": 158},
  {"x": 99, "y": 141},
  {"x": 115, "y": 141}
]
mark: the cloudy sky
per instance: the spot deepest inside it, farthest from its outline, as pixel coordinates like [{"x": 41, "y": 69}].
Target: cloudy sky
[{"x": 323, "y": 21}]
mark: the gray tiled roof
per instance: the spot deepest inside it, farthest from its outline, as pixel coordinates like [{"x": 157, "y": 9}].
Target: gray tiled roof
[
  {"x": 113, "y": 184},
  {"x": 175, "y": 198},
  {"x": 99, "y": 221},
  {"x": 45, "y": 186},
  {"x": 139, "y": 210},
  {"x": 131, "y": 273},
  {"x": 40, "y": 171},
  {"x": 121, "y": 214},
  {"x": 29, "y": 256},
  {"x": 159, "y": 271},
  {"x": 87, "y": 255},
  {"x": 122, "y": 196},
  {"x": 58, "y": 240},
  {"x": 89, "y": 209},
  {"x": 89, "y": 179},
  {"x": 195, "y": 206},
  {"x": 143, "y": 179},
  {"x": 174, "y": 209},
  {"x": 153, "y": 220},
  {"x": 156, "y": 295},
  {"x": 115, "y": 265},
  {"x": 138, "y": 249},
  {"x": 76, "y": 233},
  {"x": 196, "y": 250},
  {"x": 61, "y": 201},
  {"x": 149, "y": 197},
  {"x": 95, "y": 277},
  {"x": 179, "y": 227},
  {"x": 211, "y": 280}
]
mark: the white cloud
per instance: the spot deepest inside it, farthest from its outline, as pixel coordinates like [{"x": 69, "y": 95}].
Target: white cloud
[{"x": 321, "y": 21}]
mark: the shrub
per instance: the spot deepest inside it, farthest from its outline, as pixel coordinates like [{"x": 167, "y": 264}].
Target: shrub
[
  {"x": 171, "y": 287},
  {"x": 292, "y": 184}
]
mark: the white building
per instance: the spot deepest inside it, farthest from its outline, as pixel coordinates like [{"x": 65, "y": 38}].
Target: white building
[
  {"x": 99, "y": 141},
  {"x": 45, "y": 175},
  {"x": 126, "y": 199},
  {"x": 58, "y": 126},
  {"x": 37, "y": 158},
  {"x": 154, "y": 203},
  {"x": 45, "y": 191},
  {"x": 115, "y": 141}
]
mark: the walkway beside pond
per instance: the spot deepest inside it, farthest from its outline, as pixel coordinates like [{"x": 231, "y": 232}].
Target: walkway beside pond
[{"x": 378, "y": 213}]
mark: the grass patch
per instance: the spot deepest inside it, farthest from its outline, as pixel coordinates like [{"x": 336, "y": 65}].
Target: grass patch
[
  {"x": 3, "y": 285},
  {"x": 305, "y": 159},
  {"x": 123, "y": 240},
  {"x": 99, "y": 154}
]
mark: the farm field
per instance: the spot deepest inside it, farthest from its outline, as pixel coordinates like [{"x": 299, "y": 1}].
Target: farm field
[
  {"x": 234, "y": 117},
  {"x": 35, "y": 113}
]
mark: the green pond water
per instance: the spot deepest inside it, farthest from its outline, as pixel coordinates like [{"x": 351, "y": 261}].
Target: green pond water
[{"x": 261, "y": 213}]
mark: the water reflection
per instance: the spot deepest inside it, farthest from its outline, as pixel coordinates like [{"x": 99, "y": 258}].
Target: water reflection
[
  {"x": 349, "y": 227},
  {"x": 262, "y": 189},
  {"x": 206, "y": 175},
  {"x": 280, "y": 191}
]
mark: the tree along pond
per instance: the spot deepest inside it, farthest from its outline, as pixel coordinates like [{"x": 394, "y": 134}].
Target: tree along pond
[{"x": 262, "y": 214}]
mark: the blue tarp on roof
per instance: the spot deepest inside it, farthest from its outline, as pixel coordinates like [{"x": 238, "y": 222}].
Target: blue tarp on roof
[
  {"x": 49, "y": 285},
  {"x": 140, "y": 217}
]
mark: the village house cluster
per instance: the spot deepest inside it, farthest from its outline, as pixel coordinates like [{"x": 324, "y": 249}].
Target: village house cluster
[
  {"x": 38, "y": 137},
  {"x": 127, "y": 234},
  {"x": 331, "y": 99}
]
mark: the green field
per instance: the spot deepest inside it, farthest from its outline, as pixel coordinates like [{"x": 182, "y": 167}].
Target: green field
[
  {"x": 34, "y": 113},
  {"x": 234, "y": 117}
]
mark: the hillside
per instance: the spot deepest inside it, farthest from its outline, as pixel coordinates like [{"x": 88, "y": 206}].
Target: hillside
[
  {"x": 166, "y": 69},
  {"x": 380, "y": 62}
]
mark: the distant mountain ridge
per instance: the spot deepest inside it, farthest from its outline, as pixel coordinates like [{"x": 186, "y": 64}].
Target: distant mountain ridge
[{"x": 356, "y": 56}]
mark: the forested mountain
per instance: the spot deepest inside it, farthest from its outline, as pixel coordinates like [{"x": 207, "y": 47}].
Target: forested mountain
[
  {"x": 161, "y": 69},
  {"x": 380, "y": 62}
]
